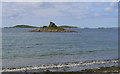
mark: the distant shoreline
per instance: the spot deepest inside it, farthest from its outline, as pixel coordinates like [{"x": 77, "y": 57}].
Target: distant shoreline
[
  {"x": 109, "y": 28},
  {"x": 65, "y": 26},
  {"x": 28, "y": 26},
  {"x": 22, "y": 26}
]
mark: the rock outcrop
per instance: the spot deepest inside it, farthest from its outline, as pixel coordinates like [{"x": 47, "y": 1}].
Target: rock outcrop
[
  {"x": 51, "y": 28},
  {"x": 52, "y": 24}
]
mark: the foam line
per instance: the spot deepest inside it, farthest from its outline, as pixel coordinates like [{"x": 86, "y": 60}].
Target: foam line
[{"x": 60, "y": 65}]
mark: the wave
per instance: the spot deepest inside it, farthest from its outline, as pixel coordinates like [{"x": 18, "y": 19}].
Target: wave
[{"x": 72, "y": 64}]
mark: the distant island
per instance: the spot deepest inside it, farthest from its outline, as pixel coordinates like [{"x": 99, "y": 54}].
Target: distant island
[
  {"x": 22, "y": 26},
  {"x": 108, "y": 27},
  {"x": 65, "y": 26},
  {"x": 51, "y": 28}
]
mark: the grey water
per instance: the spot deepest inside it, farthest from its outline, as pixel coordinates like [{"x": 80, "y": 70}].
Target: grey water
[{"x": 22, "y": 48}]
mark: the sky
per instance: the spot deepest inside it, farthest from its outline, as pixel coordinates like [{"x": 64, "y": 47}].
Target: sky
[{"x": 80, "y": 14}]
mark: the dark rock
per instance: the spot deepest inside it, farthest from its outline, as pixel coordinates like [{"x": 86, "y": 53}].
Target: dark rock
[
  {"x": 44, "y": 26},
  {"x": 52, "y": 24}
]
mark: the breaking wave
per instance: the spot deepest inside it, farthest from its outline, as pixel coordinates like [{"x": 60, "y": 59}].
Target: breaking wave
[{"x": 72, "y": 64}]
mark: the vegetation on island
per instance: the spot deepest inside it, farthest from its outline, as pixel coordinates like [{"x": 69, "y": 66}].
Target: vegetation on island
[
  {"x": 22, "y": 26},
  {"x": 51, "y": 28}
]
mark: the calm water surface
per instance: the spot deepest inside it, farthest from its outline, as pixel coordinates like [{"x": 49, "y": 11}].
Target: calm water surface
[{"x": 23, "y": 48}]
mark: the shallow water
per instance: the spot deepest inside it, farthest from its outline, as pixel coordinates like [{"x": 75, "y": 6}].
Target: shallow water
[
  {"x": 74, "y": 66},
  {"x": 22, "y": 48}
]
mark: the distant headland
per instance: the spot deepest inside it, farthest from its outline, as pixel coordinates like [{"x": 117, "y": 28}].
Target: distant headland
[
  {"x": 27, "y": 26},
  {"x": 22, "y": 26},
  {"x": 65, "y": 26},
  {"x": 51, "y": 28},
  {"x": 109, "y": 28}
]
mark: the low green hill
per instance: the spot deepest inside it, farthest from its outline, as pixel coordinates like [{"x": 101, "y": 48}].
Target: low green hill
[{"x": 22, "y": 26}]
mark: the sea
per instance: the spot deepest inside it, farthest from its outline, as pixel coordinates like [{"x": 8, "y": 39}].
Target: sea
[{"x": 58, "y": 51}]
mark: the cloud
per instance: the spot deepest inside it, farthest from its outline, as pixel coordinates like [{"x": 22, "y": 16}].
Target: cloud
[
  {"x": 17, "y": 10},
  {"x": 54, "y": 9},
  {"x": 82, "y": 16},
  {"x": 47, "y": 13},
  {"x": 99, "y": 3},
  {"x": 59, "y": 0},
  {"x": 108, "y": 9},
  {"x": 61, "y": 12},
  {"x": 97, "y": 15},
  {"x": 42, "y": 9},
  {"x": 13, "y": 12},
  {"x": 111, "y": 7},
  {"x": 117, "y": 10}
]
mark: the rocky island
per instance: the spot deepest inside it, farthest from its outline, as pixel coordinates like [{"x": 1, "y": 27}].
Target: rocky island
[{"x": 51, "y": 28}]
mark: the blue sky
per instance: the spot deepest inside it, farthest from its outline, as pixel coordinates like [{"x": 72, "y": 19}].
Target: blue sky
[{"x": 81, "y": 14}]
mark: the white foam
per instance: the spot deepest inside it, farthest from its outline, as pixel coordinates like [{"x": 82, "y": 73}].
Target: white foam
[{"x": 61, "y": 65}]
